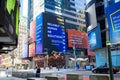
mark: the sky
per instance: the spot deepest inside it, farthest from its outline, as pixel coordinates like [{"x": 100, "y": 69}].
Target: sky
[{"x": 24, "y": 8}]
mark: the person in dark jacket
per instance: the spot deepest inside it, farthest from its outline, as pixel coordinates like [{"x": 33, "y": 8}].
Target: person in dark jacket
[{"x": 38, "y": 72}]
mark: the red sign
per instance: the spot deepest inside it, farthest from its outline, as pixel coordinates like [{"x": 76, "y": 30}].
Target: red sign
[
  {"x": 31, "y": 49},
  {"x": 32, "y": 31},
  {"x": 77, "y": 39}
]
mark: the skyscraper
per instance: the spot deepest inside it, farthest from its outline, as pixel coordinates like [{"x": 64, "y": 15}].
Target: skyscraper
[{"x": 69, "y": 9}]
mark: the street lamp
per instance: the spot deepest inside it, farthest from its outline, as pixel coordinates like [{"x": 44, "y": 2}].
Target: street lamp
[
  {"x": 74, "y": 50},
  {"x": 46, "y": 53},
  {"x": 110, "y": 60}
]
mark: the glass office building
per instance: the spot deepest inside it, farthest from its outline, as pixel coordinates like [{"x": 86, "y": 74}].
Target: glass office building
[{"x": 69, "y": 9}]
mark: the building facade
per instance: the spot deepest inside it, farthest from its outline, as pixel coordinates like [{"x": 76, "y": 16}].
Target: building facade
[
  {"x": 100, "y": 18},
  {"x": 72, "y": 14},
  {"x": 64, "y": 8}
]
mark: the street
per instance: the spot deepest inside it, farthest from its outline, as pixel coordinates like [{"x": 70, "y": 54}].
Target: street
[{"x": 55, "y": 72}]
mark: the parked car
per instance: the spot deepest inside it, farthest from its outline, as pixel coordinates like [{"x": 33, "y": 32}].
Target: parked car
[{"x": 104, "y": 69}]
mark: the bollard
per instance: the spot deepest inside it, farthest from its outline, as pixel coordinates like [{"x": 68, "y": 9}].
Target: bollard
[
  {"x": 74, "y": 77},
  {"x": 99, "y": 77},
  {"x": 54, "y": 78},
  {"x": 36, "y": 79}
]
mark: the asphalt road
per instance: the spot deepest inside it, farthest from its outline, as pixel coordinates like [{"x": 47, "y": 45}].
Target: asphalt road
[{"x": 61, "y": 72}]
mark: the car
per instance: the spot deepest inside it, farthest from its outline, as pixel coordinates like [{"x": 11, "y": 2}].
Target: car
[{"x": 104, "y": 69}]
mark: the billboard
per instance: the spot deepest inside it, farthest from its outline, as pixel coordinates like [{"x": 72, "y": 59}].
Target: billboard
[
  {"x": 101, "y": 57},
  {"x": 54, "y": 33},
  {"x": 91, "y": 17},
  {"x": 78, "y": 38},
  {"x": 32, "y": 31},
  {"x": 95, "y": 38},
  {"x": 115, "y": 57},
  {"x": 31, "y": 49},
  {"x": 24, "y": 48},
  {"x": 39, "y": 34},
  {"x": 113, "y": 19}
]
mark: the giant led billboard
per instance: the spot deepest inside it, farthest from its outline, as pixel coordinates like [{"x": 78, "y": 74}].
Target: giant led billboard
[
  {"x": 95, "y": 38},
  {"x": 101, "y": 57},
  {"x": 32, "y": 31},
  {"x": 50, "y": 33},
  {"x": 54, "y": 33},
  {"x": 32, "y": 50},
  {"x": 113, "y": 19},
  {"x": 24, "y": 47},
  {"x": 77, "y": 38},
  {"x": 39, "y": 34},
  {"x": 91, "y": 17}
]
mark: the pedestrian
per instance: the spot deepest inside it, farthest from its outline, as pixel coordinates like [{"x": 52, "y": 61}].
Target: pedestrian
[
  {"x": 38, "y": 72},
  {"x": 7, "y": 71}
]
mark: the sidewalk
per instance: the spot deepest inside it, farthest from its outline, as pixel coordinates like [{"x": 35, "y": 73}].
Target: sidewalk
[{"x": 11, "y": 78}]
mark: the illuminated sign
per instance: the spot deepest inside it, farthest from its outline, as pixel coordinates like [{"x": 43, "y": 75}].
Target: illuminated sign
[
  {"x": 113, "y": 18},
  {"x": 57, "y": 36},
  {"x": 31, "y": 49},
  {"x": 39, "y": 34},
  {"x": 24, "y": 47},
  {"x": 77, "y": 38},
  {"x": 95, "y": 38},
  {"x": 50, "y": 33},
  {"x": 32, "y": 31}
]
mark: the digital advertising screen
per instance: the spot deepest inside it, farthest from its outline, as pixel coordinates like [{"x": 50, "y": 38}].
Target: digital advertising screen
[
  {"x": 54, "y": 33},
  {"x": 39, "y": 34},
  {"x": 24, "y": 48},
  {"x": 32, "y": 31},
  {"x": 77, "y": 38},
  {"x": 31, "y": 49},
  {"x": 101, "y": 57},
  {"x": 95, "y": 38},
  {"x": 113, "y": 19},
  {"x": 115, "y": 57},
  {"x": 91, "y": 17}
]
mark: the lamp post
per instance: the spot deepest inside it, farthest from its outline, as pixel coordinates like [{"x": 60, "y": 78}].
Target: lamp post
[
  {"x": 74, "y": 51},
  {"x": 108, "y": 43},
  {"x": 46, "y": 53},
  {"x": 110, "y": 60}
]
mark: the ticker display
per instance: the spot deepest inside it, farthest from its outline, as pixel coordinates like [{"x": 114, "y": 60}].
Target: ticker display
[{"x": 56, "y": 35}]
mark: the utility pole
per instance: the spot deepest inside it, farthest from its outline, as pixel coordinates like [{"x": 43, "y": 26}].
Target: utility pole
[
  {"x": 108, "y": 43},
  {"x": 74, "y": 51},
  {"x": 110, "y": 60}
]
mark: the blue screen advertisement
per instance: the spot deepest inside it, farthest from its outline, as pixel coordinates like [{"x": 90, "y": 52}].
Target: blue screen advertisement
[
  {"x": 24, "y": 47},
  {"x": 95, "y": 38},
  {"x": 57, "y": 36},
  {"x": 113, "y": 18},
  {"x": 39, "y": 46},
  {"x": 24, "y": 50},
  {"x": 115, "y": 57},
  {"x": 101, "y": 57}
]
